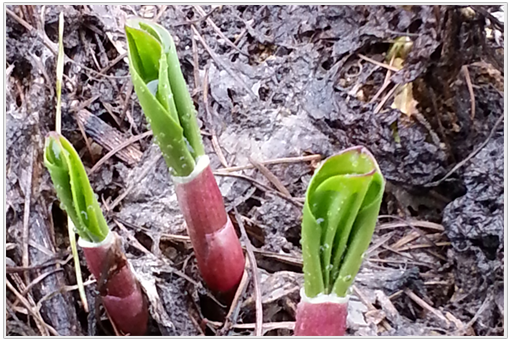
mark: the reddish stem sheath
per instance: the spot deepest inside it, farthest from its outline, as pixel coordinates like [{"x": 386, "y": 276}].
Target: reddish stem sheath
[
  {"x": 217, "y": 248},
  {"x": 121, "y": 293},
  {"x": 321, "y": 316}
]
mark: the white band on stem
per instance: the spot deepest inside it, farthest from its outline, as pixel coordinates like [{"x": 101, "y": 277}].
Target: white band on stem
[
  {"x": 109, "y": 239},
  {"x": 202, "y": 162},
  {"x": 323, "y": 298}
]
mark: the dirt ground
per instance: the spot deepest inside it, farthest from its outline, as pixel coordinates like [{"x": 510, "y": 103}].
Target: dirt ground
[{"x": 269, "y": 82}]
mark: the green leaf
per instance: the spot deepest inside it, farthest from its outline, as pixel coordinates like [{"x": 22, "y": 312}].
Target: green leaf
[
  {"x": 163, "y": 94},
  {"x": 73, "y": 188},
  {"x": 342, "y": 204}
]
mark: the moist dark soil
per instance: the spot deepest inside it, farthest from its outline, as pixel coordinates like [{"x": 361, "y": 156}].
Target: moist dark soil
[{"x": 269, "y": 82}]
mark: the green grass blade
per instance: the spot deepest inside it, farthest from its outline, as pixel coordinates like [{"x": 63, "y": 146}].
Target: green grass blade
[
  {"x": 336, "y": 222},
  {"x": 76, "y": 261},
  {"x": 60, "y": 72},
  {"x": 73, "y": 188},
  {"x": 58, "y": 123}
]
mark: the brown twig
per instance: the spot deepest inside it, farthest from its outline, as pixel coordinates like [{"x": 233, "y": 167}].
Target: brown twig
[
  {"x": 50, "y": 262},
  {"x": 195, "y": 56},
  {"x": 470, "y": 156},
  {"x": 392, "y": 261},
  {"x": 267, "y": 326},
  {"x": 110, "y": 111},
  {"x": 125, "y": 144},
  {"x": 232, "y": 314},
  {"x": 218, "y": 31},
  {"x": 307, "y": 158},
  {"x": 108, "y": 137},
  {"x": 426, "y": 306},
  {"x": 26, "y": 213},
  {"x": 406, "y": 256},
  {"x": 422, "y": 246},
  {"x": 219, "y": 62},
  {"x": 470, "y": 89},
  {"x": 417, "y": 223},
  {"x": 84, "y": 135},
  {"x": 30, "y": 309},
  {"x": 161, "y": 11},
  {"x": 150, "y": 166},
  {"x": 384, "y": 65},
  {"x": 255, "y": 275},
  {"x": 218, "y": 150},
  {"x": 261, "y": 186},
  {"x": 296, "y": 261},
  {"x": 112, "y": 63},
  {"x": 270, "y": 177},
  {"x": 385, "y": 99},
  {"x": 368, "y": 304}
]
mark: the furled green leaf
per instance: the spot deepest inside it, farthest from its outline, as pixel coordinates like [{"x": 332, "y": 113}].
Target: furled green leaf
[
  {"x": 163, "y": 94},
  {"x": 342, "y": 204},
  {"x": 73, "y": 188}
]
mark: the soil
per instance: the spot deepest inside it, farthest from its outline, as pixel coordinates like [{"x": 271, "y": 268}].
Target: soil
[{"x": 300, "y": 82}]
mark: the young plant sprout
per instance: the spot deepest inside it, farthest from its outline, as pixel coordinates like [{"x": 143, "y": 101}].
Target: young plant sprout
[
  {"x": 340, "y": 213},
  {"x": 121, "y": 293},
  {"x": 166, "y": 102}
]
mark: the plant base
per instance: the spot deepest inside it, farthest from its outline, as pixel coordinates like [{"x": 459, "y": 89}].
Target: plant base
[
  {"x": 324, "y": 315},
  {"x": 217, "y": 248},
  {"x": 121, "y": 292}
]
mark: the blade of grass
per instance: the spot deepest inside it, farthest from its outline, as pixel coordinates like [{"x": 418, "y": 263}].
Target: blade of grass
[
  {"x": 58, "y": 123},
  {"x": 76, "y": 260},
  {"x": 60, "y": 72}
]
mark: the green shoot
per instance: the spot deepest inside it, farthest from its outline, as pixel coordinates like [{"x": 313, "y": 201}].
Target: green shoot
[
  {"x": 163, "y": 94},
  {"x": 73, "y": 188},
  {"x": 341, "y": 209}
]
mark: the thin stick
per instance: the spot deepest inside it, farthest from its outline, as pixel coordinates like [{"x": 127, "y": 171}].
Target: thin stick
[
  {"x": 84, "y": 135},
  {"x": 217, "y": 29},
  {"x": 45, "y": 264},
  {"x": 386, "y": 66},
  {"x": 51, "y": 45},
  {"x": 426, "y": 306},
  {"x": 470, "y": 156},
  {"x": 218, "y": 150},
  {"x": 271, "y": 177},
  {"x": 392, "y": 261},
  {"x": 78, "y": 270},
  {"x": 297, "y": 159},
  {"x": 369, "y": 304},
  {"x": 470, "y": 89},
  {"x": 422, "y": 246},
  {"x": 31, "y": 311},
  {"x": 385, "y": 99},
  {"x": 219, "y": 62},
  {"x": 254, "y": 267},
  {"x": 417, "y": 223},
  {"x": 125, "y": 144},
  {"x": 113, "y": 62},
  {"x": 26, "y": 214},
  {"x": 142, "y": 175},
  {"x": 261, "y": 186},
  {"x": 60, "y": 72},
  {"x": 35, "y": 281},
  {"x": 235, "y": 305},
  {"x": 386, "y": 82}
]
